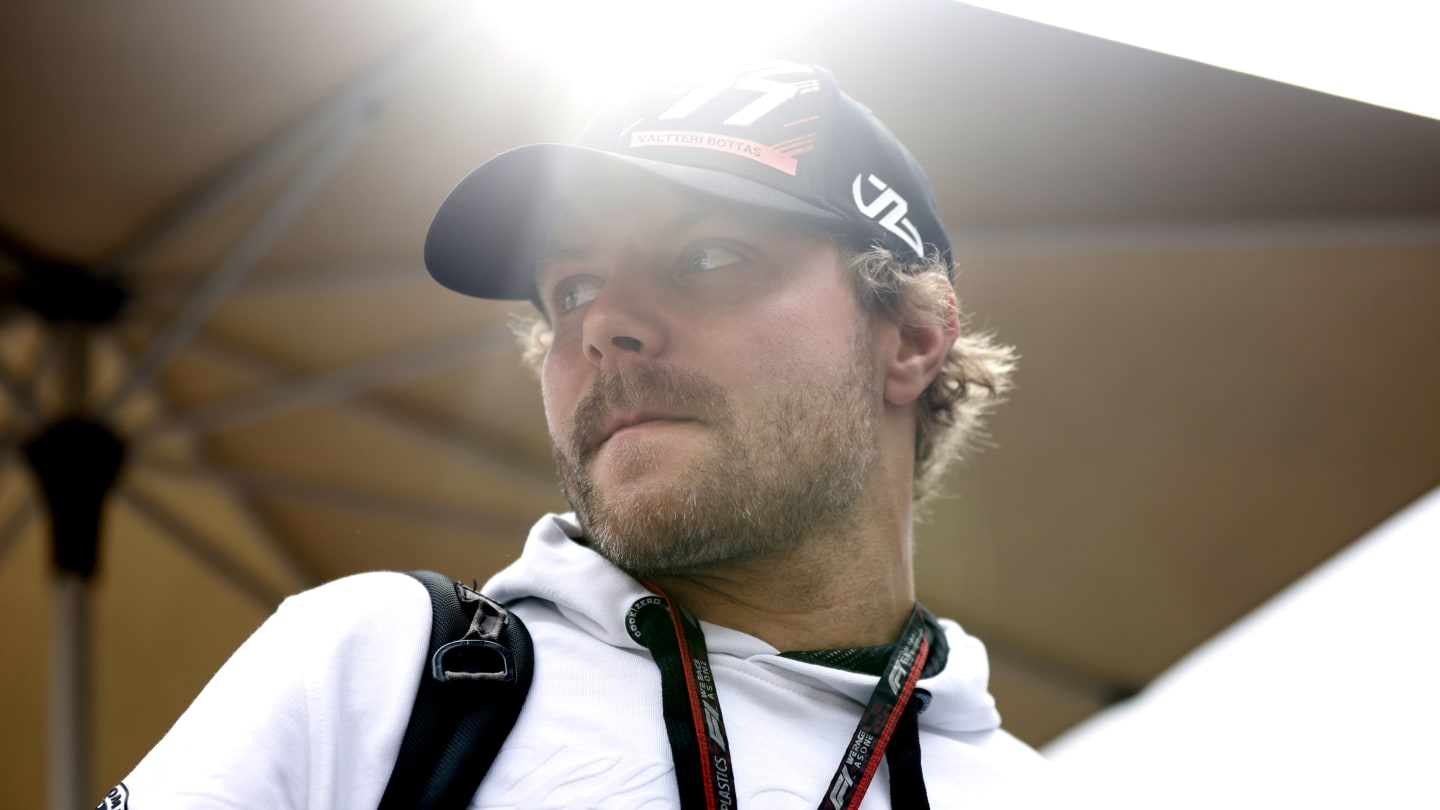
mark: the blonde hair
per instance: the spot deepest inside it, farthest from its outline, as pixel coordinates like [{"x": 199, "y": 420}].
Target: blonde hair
[{"x": 973, "y": 379}]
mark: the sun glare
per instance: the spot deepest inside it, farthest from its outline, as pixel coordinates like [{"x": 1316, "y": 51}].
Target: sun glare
[{"x": 606, "y": 47}]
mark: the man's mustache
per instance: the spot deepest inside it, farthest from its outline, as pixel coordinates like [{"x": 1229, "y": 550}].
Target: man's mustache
[{"x": 672, "y": 392}]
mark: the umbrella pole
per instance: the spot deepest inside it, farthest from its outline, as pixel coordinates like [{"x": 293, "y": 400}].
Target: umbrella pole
[
  {"x": 68, "y": 751},
  {"x": 75, "y": 461}
]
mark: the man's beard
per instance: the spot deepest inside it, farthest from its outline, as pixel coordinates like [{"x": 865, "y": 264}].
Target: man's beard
[{"x": 793, "y": 471}]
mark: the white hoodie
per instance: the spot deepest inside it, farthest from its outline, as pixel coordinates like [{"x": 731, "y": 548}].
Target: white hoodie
[{"x": 309, "y": 712}]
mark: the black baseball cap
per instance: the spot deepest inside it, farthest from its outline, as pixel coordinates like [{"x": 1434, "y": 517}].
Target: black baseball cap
[{"x": 776, "y": 137}]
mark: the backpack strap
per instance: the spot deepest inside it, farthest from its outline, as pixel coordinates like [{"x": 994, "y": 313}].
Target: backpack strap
[{"x": 476, "y": 675}]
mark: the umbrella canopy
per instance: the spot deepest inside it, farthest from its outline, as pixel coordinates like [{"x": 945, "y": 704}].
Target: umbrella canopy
[{"x": 1223, "y": 287}]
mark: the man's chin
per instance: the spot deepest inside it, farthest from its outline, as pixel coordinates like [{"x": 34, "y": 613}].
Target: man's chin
[
  {"x": 679, "y": 534},
  {"x": 645, "y": 530},
  {"x": 646, "y": 491},
  {"x": 663, "y": 453}
]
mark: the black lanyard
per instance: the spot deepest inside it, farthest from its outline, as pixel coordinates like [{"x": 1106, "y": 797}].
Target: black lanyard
[{"x": 696, "y": 728}]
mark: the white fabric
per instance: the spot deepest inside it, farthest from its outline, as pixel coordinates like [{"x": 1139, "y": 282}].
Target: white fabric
[
  {"x": 310, "y": 711},
  {"x": 1323, "y": 697}
]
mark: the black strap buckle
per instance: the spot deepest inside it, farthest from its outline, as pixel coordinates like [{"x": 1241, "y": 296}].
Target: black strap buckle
[{"x": 473, "y": 660}]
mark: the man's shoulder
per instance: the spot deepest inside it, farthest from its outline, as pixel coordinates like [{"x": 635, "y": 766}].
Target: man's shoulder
[
  {"x": 371, "y": 589},
  {"x": 369, "y": 603},
  {"x": 332, "y": 674}
]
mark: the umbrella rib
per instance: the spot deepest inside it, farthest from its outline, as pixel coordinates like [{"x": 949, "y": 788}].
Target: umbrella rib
[
  {"x": 322, "y": 279},
  {"x": 326, "y": 386},
  {"x": 273, "y": 539},
  {"x": 228, "y": 569},
  {"x": 19, "y": 397},
  {"x": 304, "y": 280},
  {"x": 15, "y": 526},
  {"x": 398, "y": 417},
  {"x": 272, "y": 536},
  {"x": 344, "y": 498},
  {"x": 365, "y": 91},
  {"x": 46, "y": 355},
  {"x": 238, "y": 263}
]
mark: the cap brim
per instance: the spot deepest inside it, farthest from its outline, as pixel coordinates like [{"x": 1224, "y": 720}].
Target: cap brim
[{"x": 487, "y": 235}]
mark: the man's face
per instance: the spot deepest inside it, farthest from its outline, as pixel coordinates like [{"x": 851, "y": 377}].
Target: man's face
[{"x": 711, "y": 390}]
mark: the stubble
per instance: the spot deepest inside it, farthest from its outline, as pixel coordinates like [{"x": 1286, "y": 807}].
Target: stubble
[{"x": 791, "y": 470}]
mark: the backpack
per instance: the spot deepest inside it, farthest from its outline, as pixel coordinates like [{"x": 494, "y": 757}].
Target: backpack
[{"x": 477, "y": 674}]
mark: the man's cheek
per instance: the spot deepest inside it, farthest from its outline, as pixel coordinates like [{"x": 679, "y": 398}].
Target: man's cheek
[{"x": 555, "y": 416}]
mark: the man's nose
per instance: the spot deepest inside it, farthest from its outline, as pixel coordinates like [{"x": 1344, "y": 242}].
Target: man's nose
[{"x": 623, "y": 320}]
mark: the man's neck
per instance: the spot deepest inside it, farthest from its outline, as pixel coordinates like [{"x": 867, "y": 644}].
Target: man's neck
[{"x": 836, "y": 590}]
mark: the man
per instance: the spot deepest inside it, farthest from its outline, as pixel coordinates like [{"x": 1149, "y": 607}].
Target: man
[{"x": 753, "y": 372}]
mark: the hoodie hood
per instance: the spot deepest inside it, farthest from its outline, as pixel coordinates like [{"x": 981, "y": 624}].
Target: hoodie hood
[{"x": 596, "y": 596}]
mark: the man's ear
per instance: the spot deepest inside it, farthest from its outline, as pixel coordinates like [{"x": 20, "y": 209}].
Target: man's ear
[{"x": 917, "y": 357}]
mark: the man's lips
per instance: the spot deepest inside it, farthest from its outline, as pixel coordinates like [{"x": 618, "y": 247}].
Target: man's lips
[{"x": 623, "y": 421}]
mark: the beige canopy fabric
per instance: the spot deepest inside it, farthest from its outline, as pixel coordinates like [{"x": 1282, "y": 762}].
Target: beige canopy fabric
[{"x": 1226, "y": 292}]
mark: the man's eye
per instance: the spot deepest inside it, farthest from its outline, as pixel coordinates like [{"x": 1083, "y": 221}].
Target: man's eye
[
  {"x": 702, "y": 258},
  {"x": 575, "y": 293}
]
